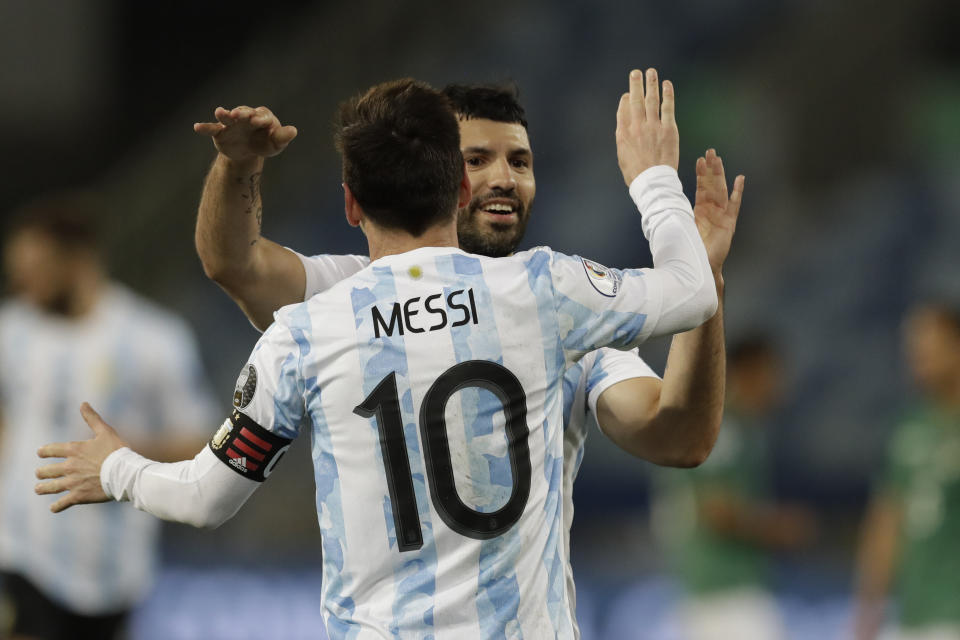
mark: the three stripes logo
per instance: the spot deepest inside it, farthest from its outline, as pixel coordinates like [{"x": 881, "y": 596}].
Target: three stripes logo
[{"x": 248, "y": 448}]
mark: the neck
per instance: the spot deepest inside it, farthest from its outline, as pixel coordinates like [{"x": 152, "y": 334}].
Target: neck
[
  {"x": 388, "y": 242},
  {"x": 85, "y": 293},
  {"x": 948, "y": 395}
]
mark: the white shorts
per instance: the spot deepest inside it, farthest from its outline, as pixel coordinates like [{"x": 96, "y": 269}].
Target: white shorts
[{"x": 744, "y": 614}]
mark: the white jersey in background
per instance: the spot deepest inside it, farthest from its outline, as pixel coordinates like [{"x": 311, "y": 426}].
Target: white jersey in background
[
  {"x": 583, "y": 383},
  {"x": 139, "y": 366}
]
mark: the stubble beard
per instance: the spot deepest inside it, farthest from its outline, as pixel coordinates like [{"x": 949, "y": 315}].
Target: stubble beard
[{"x": 495, "y": 240}]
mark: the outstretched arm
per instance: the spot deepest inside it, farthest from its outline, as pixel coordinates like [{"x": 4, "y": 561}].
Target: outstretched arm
[
  {"x": 260, "y": 275},
  {"x": 876, "y": 564},
  {"x": 675, "y": 422},
  {"x": 201, "y": 492}
]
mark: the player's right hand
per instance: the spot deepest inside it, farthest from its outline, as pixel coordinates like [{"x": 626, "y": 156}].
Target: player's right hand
[
  {"x": 79, "y": 474},
  {"x": 244, "y": 133},
  {"x": 647, "y": 133}
]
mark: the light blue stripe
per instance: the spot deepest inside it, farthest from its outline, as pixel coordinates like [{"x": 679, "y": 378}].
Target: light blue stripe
[
  {"x": 541, "y": 284},
  {"x": 329, "y": 500},
  {"x": 415, "y": 573}
]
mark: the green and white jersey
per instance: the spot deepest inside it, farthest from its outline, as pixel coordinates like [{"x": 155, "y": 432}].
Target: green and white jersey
[{"x": 924, "y": 473}]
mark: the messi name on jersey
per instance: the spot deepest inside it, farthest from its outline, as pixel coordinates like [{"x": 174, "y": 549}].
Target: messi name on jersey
[{"x": 416, "y": 315}]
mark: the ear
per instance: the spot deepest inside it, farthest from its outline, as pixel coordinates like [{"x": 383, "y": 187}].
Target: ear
[
  {"x": 466, "y": 191},
  {"x": 351, "y": 207}
]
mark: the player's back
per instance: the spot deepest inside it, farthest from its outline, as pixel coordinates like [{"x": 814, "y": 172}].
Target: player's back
[{"x": 433, "y": 383}]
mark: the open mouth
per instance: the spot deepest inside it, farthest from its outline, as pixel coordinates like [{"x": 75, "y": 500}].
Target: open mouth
[{"x": 500, "y": 207}]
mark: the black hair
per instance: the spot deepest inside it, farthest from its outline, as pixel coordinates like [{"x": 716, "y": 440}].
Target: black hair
[
  {"x": 400, "y": 143},
  {"x": 499, "y": 103}
]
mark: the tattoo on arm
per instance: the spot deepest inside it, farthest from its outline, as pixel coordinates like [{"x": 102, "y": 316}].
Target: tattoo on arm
[{"x": 253, "y": 196}]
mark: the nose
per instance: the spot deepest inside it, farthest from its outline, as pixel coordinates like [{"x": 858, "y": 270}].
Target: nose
[{"x": 501, "y": 175}]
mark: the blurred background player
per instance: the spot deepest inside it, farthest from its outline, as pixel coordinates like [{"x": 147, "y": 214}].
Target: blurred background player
[
  {"x": 720, "y": 520},
  {"x": 69, "y": 334},
  {"x": 911, "y": 535}
]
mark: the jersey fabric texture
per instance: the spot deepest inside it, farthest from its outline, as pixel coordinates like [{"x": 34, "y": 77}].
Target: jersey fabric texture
[
  {"x": 583, "y": 383},
  {"x": 924, "y": 474},
  {"x": 432, "y": 381},
  {"x": 138, "y": 366}
]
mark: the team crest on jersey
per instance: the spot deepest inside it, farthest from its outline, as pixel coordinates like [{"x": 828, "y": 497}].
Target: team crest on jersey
[
  {"x": 246, "y": 387},
  {"x": 605, "y": 281},
  {"x": 220, "y": 437}
]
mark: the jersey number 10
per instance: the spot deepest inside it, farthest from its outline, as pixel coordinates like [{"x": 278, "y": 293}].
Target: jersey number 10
[{"x": 383, "y": 403}]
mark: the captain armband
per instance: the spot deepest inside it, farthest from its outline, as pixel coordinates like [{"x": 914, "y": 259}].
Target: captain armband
[{"x": 248, "y": 448}]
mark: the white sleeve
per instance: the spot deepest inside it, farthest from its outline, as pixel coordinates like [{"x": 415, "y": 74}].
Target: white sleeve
[
  {"x": 600, "y": 307},
  {"x": 611, "y": 366},
  {"x": 202, "y": 492},
  {"x": 324, "y": 271}
]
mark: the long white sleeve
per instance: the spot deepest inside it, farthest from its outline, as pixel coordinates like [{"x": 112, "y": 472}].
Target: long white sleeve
[
  {"x": 202, "y": 492},
  {"x": 680, "y": 261}
]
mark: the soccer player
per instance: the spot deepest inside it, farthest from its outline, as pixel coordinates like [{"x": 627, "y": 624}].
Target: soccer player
[
  {"x": 671, "y": 422},
  {"x": 432, "y": 380},
  {"x": 912, "y": 528},
  {"x": 69, "y": 333},
  {"x": 725, "y": 522}
]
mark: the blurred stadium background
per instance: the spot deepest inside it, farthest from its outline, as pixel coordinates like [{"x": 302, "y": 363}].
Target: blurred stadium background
[{"x": 843, "y": 116}]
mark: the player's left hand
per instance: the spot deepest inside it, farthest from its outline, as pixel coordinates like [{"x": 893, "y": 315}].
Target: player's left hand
[
  {"x": 79, "y": 474},
  {"x": 716, "y": 213}
]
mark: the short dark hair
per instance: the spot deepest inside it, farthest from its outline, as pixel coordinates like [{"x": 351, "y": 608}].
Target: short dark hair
[
  {"x": 68, "y": 219},
  {"x": 499, "y": 103},
  {"x": 752, "y": 348},
  {"x": 400, "y": 143}
]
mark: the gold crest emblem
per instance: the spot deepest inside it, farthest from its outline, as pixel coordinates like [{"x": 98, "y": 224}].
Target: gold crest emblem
[{"x": 220, "y": 437}]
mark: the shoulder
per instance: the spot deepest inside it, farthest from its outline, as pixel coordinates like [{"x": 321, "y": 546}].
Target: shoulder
[{"x": 139, "y": 313}]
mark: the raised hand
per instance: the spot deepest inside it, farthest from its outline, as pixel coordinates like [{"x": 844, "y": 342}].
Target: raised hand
[
  {"x": 716, "y": 213},
  {"x": 79, "y": 474},
  {"x": 647, "y": 133},
  {"x": 244, "y": 133}
]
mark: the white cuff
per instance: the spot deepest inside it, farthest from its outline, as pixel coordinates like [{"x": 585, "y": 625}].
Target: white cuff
[
  {"x": 656, "y": 192},
  {"x": 118, "y": 472}
]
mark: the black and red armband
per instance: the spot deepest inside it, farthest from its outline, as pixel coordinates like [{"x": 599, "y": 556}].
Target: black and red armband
[{"x": 248, "y": 448}]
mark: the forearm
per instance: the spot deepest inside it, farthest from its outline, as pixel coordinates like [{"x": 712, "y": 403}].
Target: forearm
[
  {"x": 228, "y": 220},
  {"x": 691, "y": 398},
  {"x": 202, "y": 492},
  {"x": 876, "y": 559},
  {"x": 681, "y": 270}
]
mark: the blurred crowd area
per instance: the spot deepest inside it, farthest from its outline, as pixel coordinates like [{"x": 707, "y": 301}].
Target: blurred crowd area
[{"x": 843, "y": 117}]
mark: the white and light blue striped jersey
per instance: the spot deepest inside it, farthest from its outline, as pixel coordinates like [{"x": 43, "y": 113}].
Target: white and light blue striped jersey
[
  {"x": 583, "y": 383},
  {"x": 432, "y": 380},
  {"x": 138, "y": 365}
]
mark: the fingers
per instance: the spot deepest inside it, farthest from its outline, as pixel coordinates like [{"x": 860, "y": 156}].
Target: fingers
[
  {"x": 56, "y": 470},
  {"x": 667, "y": 115},
  {"x": 623, "y": 113},
  {"x": 283, "y": 135},
  {"x": 637, "y": 112},
  {"x": 93, "y": 419},
  {"x": 737, "y": 196},
  {"x": 701, "y": 173},
  {"x": 57, "y": 450},
  {"x": 52, "y": 486},
  {"x": 65, "y": 502},
  {"x": 223, "y": 116},
  {"x": 208, "y": 128},
  {"x": 653, "y": 96}
]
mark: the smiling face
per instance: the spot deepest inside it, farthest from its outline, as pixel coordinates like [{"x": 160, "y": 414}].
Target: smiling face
[{"x": 500, "y": 168}]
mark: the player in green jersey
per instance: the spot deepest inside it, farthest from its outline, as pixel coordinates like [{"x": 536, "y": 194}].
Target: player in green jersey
[
  {"x": 722, "y": 521},
  {"x": 911, "y": 534}
]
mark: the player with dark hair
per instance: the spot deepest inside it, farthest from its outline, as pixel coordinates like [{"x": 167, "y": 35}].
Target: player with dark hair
[
  {"x": 433, "y": 384},
  {"x": 913, "y": 525},
  {"x": 68, "y": 334},
  {"x": 670, "y": 422}
]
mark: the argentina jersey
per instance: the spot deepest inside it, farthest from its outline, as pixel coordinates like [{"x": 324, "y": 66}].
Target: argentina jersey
[{"x": 432, "y": 381}]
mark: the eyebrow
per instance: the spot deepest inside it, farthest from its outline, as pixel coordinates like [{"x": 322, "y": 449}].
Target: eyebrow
[{"x": 512, "y": 152}]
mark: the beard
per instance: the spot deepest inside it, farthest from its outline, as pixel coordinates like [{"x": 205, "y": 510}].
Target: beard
[{"x": 493, "y": 240}]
